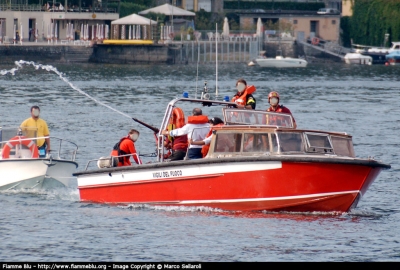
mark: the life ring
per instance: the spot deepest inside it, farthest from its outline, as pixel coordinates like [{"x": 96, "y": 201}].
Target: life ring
[
  {"x": 22, "y": 141},
  {"x": 315, "y": 41},
  {"x": 177, "y": 120}
]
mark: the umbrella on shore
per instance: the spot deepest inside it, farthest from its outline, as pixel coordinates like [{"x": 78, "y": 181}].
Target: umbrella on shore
[
  {"x": 225, "y": 28},
  {"x": 259, "y": 27},
  {"x": 22, "y": 35}
]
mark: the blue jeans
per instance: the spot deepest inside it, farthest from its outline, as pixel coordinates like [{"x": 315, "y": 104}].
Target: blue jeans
[{"x": 194, "y": 153}]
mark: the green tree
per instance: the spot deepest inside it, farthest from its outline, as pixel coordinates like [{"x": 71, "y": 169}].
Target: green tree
[{"x": 372, "y": 19}]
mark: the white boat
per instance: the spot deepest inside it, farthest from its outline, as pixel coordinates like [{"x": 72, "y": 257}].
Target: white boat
[
  {"x": 357, "y": 58},
  {"x": 281, "y": 62},
  {"x": 22, "y": 168},
  {"x": 395, "y": 47},
  {"x": 377, "y": 54}
]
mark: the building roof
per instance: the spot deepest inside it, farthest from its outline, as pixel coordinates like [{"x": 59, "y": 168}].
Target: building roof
[
  {"x": 169, "y": 10},
  {"x": 134, "y": 19}
]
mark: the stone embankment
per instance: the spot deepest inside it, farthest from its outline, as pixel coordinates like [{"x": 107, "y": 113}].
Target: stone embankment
[
  {"x": 177, "y": 53},
  {"x": 45, "y": 53},
  {"x": 66, "y": 53}
]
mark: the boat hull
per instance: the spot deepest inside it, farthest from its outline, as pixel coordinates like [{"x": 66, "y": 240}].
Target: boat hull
[
  {"x": 357, "y": 59},
  {"x": 253, "y": 185},
  {"x": 35, "y": 173},
  {"x": 281, "y": 63},
  {"x": 394, "y": 61},
  {"x": 378, "y": 58}
]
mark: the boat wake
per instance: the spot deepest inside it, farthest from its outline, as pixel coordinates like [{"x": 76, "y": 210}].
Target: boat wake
[
  {"x": 64, "y": 194},
  {"x": 303, "y": 216},
  {"x": 364, "y": 213},
  {"x": 172, "y": 208}
]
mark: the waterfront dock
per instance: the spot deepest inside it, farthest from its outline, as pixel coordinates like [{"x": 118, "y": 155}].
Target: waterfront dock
[{"x": 177, "y": 52}]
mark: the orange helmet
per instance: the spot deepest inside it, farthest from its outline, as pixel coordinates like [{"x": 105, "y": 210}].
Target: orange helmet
[{"x": 273, "y": 94}]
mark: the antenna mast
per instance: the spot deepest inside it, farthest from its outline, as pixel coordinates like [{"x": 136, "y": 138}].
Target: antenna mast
[{"x": 216, "y": 61}]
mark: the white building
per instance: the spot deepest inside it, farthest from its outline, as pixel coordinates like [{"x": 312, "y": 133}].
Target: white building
[{"x": 32, "y": 17}]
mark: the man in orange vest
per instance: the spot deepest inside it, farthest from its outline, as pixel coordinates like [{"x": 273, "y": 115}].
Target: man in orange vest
[
  {"x": 273, "y": 100},
  {"x": 215, "y": 122},
  {"x": 244, "y": 98},
  {"x": 125, "y": 148},
  {"x": 196, "y": 129}
]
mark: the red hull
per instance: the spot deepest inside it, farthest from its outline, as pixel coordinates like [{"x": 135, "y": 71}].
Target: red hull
[{"x": 294, "y": 186}]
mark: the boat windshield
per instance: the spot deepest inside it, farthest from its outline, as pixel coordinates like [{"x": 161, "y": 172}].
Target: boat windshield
[
  {"x": 258, "y": 118},
  {"x": 62, "y": 149},
  {"x": 7, "y": 133}
]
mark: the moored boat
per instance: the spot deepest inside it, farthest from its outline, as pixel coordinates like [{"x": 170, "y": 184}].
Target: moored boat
[
  {"x": 278, "y": 62},
  {"x": 22, "y": 167},
  {"x": 281, "y": 62},
  {"x": 256, "y": 161},
  {"x": 358, "y": 59},
  {"x": 393, "y": 58},
  {"x": 378, "y": 58},
  {"x": 378, "y": 54}
]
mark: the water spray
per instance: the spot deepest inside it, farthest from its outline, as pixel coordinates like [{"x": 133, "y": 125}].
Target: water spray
[{"x": 50, "y": 68}]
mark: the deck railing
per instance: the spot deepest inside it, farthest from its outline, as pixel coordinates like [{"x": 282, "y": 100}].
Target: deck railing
[
  {"x": 39, "y": 8},
  {"x": 228, "y": 51}
]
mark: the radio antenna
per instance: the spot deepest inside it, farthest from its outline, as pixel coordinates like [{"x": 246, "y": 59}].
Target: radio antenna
[{"x": 216, "y": 61}]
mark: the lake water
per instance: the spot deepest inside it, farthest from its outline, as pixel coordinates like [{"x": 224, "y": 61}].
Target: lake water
[{"x": 54, "y": 226}]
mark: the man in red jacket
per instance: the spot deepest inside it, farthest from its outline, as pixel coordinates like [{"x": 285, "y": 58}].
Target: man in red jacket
[
  {"x": 125, "y": 148},
  {"x": 273, "y": 100}
]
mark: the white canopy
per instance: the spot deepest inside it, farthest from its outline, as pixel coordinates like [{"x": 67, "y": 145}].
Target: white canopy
[
  {"x": 259, "y": 27},
  {"x": 225, "y": 28},
  {"x": 134, "y": 19},
  {"x": 169, "y": 10}
]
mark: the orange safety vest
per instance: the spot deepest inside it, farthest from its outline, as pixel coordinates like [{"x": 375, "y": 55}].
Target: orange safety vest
[
  {"x": 241, "y": 100},
  {"x": 206, "y": 147},
  {"x": 177, "y": 120},
  {"x": 197, "y": 119}
]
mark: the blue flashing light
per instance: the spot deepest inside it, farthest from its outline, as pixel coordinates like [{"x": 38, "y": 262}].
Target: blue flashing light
[
  {"x": 185, "y": 94},
  {"x": 226, "y": 98}
]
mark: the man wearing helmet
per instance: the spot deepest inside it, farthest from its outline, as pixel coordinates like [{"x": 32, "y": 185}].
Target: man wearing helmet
[
  {"x": 244, "y": 98},
  {"x": 273, "y": 100}
]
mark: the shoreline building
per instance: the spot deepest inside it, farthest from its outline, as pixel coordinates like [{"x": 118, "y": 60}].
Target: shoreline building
[{"x": 31, "y": 21}]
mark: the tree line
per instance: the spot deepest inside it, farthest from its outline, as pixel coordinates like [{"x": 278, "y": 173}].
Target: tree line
[{"x": 371, "y": 20}]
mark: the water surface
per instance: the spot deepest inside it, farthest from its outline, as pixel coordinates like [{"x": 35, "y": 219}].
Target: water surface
[{"x": 54, "y": 226}]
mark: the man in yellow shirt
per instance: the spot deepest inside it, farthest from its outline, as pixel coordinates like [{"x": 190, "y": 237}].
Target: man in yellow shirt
[{"x": 40, "y": 126}]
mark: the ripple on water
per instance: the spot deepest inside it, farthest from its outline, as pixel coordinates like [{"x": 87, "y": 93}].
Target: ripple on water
[{"x": 55, "y": 226}]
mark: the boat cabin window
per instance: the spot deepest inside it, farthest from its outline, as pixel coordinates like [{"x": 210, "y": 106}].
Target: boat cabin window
[
  {"x": 318, "y": 143},
  {"x": 343, "y": 146},
  {"x": 290, "y": 142},
  {"x": 251, "y": 117},
  {"x": 255, "y": 142},
  {"x": 228, "y": 142}
]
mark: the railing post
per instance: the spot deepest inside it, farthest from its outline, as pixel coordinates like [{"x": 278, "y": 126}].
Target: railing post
[
  {"x": 240, "y": 49},
  {"x": 205, "y": 51}
]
